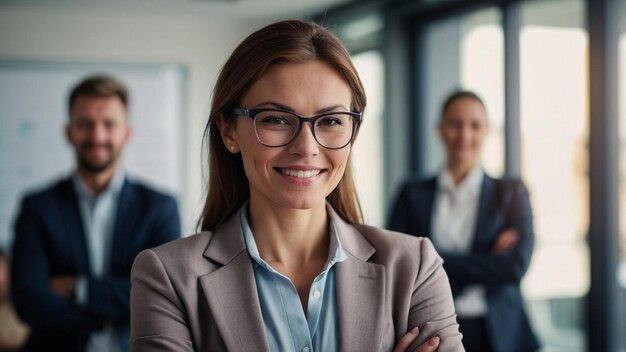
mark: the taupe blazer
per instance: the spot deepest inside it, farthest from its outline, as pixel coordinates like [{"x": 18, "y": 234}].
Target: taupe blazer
[{"x": 199, "y": 293}]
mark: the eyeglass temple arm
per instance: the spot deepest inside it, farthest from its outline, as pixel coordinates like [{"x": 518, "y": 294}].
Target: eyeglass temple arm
[{"x": 241, "y": 111}]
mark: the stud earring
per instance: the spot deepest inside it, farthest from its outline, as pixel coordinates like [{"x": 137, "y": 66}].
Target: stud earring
[{"x": 232, "y": 148}]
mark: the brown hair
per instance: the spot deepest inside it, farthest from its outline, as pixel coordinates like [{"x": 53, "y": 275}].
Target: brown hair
[
  {"x": 287, "y": 41},
  {"x": 99, "y": 86},
  {"x": 459, "y": 94}
]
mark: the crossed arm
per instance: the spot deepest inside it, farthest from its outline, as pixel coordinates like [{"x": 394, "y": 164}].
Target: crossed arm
[
  {"x": 510, "y": 253},
  {"x": 40, "y": 302},
  {"x": 47, "y": 300}
]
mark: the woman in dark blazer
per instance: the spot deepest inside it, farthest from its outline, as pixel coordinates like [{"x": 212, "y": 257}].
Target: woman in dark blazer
[
  {"x": 283, "y": 262},
  {"x": 481, "y": 226}
]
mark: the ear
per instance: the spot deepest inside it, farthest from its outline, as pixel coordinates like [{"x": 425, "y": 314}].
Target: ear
[
  {"x": 68, "y": 133},
  {"x": 440, "y": 127},
  {"x": 227, "y": 132},
  {"x": 129, "y": 133}
]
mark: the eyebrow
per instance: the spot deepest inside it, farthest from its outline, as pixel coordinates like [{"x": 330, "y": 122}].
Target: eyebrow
[{"x": 288, "y": 108}]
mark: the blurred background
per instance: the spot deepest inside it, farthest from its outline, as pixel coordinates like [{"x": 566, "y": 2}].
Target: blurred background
[{"x": 552, "y": 74}]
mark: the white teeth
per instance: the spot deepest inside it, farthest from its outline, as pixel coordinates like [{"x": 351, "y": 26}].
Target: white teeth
[{"x": 300, "y": 173}]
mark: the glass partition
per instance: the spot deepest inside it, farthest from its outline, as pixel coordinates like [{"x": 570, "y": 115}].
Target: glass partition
[
  {"x": 554, "y": 135},
  {"x": 463, "y": 52},
  {"x": 367, "y": 155}
]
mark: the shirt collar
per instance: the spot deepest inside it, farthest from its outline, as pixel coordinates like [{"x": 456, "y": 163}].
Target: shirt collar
[
  {"x": 114, "y": 187},
  {"x": 335, "y": 250},
  {"x": 471, "y": 184}
]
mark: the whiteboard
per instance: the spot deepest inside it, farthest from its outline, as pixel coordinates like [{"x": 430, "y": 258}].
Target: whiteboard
[{"x": 33, "y": 113}]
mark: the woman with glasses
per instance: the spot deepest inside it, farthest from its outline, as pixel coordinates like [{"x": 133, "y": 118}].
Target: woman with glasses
[
  {"x": 283, "y": 262},
  {"x": 481, "y": 226}
]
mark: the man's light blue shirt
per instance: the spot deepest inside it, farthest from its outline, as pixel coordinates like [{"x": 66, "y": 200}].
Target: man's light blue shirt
[
  {"x": 98, "y": 213},
  {"x": 286, "y": 326}
]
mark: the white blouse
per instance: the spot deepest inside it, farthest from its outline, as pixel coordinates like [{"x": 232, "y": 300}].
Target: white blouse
[{"x": 455, "y": 212}]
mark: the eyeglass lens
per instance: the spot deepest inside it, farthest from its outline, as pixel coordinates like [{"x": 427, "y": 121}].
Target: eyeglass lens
[{"x": 276, "y": 128}]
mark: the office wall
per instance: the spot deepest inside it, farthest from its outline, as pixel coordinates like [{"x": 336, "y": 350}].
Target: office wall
[{"x": 201, "y": 44}]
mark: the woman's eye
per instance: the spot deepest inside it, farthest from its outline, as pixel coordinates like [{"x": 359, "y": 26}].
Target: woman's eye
[
  {"x": 455, "y": 124},
  {"x": 329, "y": 121},
  {"x": 275, "y": 120}
]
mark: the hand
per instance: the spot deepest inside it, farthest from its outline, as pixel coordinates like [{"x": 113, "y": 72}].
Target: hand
[
  {"x": 406, "y": 341},
  {"x": 63, "y": 285},
  {"x": 506, "y": 241}
]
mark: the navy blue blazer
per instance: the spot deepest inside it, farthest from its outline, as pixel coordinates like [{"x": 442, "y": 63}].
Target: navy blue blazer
[
  {"x": 49, "y": 241},
  {"x": 504, "y": 203}
]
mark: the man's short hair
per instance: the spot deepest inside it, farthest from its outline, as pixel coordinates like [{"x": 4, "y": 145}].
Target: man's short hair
[{"x": 99, "y": 86}]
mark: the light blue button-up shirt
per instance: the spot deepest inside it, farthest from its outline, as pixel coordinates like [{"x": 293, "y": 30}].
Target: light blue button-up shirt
[
  {"x": 286, "y": 326},
  {"x": 97, "y": 213}
]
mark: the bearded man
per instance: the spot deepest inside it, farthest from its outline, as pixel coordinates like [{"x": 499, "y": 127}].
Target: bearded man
[{"x": 75, "y": 242}]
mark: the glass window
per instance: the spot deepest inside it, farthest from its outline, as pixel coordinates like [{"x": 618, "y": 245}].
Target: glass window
[
  {"x": 361, "y": 31},
  {"x": 367, "y": 155},
  {"x": 463, "y": 52},
  {"x": 554, "y": 134}
]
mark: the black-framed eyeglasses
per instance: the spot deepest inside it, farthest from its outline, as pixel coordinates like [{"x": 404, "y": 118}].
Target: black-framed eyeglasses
[{"x": 277, "y": 128}]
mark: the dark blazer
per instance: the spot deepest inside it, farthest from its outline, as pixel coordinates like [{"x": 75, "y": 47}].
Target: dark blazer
[
  {"x": 503, "y": 203},
  {"x": 49, "y": 241},
  {"x": 199, "y": 293}
]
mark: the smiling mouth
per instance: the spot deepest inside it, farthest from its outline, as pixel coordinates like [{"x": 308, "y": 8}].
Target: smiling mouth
[{"x": 300, "y": 173}]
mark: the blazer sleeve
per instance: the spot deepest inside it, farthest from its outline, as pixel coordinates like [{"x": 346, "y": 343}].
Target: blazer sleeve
[
  {"x": 491, "y": 269},
  {"x": 158, "y": 319},
  {"x": 166, "y": 225},
  {"x": 108, "y": 296},
  {"x": 34, "y": 301},
  {"x": 432, "y": 306}
]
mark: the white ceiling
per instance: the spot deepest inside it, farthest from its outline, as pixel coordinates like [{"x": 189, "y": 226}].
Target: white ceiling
[{"x": 253, "y": 10}]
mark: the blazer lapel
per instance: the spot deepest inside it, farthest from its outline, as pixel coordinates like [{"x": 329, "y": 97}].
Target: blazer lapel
[
  {"x": 75, "y": 232},
  {"x": 125, "y": 219},
  {"x": 360, "y": 291},
  {"x": 427, "y": 208},
  {"x": 481, "y": 238},
  {"x": 231, "y": 292}
]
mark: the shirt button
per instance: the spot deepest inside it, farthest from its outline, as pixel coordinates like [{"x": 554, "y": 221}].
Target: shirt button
[
  {"x": 317, "y": 295},
  {"x": 306, "y": 349}
]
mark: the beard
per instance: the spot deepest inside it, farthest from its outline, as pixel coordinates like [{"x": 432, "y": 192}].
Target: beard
[{"x": 96, "y": 167}]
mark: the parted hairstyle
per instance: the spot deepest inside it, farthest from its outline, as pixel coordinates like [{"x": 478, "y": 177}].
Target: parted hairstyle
[
  {"x": 287, "y": 41},
  {"x": 459, "y": 94},
  {"x": 99, "y": 86}
]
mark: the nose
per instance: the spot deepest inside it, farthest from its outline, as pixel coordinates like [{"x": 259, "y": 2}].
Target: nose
[
  {"x": 305, "y": 143},
  {"x": 98, "y": 133},
  {"x": 466, "y": 134}
]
